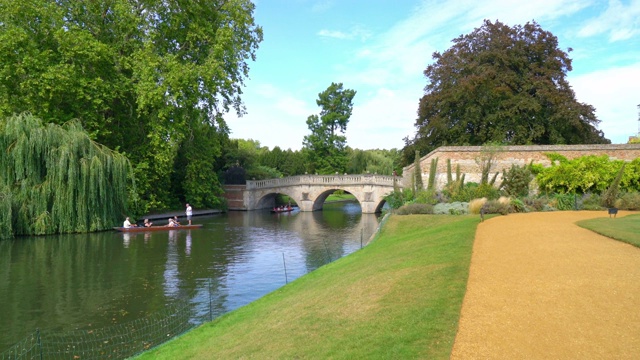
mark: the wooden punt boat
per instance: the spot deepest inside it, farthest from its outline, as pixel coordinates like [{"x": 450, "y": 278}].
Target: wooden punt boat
[{"x": 157, "y": 228}]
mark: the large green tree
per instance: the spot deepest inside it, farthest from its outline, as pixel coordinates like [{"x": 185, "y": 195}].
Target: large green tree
[
  {"x": 502, "y": 84},
  {"x": 140, "y": 75},
  {"x": 326, "y": 145}
]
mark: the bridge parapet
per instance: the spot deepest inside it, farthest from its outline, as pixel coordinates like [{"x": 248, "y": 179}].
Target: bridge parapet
[{"x": 326, "y": 180}]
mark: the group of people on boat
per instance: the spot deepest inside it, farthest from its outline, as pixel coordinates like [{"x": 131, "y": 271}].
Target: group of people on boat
[
  {"x": 172, "y": 222},
  {"x": 127, "y": 223},
  {"x": 282, "y": 208}
]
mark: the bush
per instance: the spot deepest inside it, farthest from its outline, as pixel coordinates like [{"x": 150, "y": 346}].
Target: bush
[
  {"x": 454, "y": 208},
  {"x": 476, "y": 204},
  {"x": 591, "y": 202},
  {"x": 495, "y": 207},
  {"x": 426, "y": 197},
  {"x": 415, "y": 209},
  {"x": 488, "y": 191},
  {"x": 535, "y": 204},
  {"x": 564, "y": 201},
  {"x": 471, "y": 191},
  {"x": 629, "y": 201},
  {"x": 515, "y": 182},
  {"x": 395, "y": 199},
  {"x": 517, "y": 205}
]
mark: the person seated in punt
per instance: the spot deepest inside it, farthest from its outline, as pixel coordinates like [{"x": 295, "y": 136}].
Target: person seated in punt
[
  {"x": 147, "y": 223},
  {"x": 175, "y": 220},
  {"x": 127, "y": 224},
  {"x": 171, "y": 223}
]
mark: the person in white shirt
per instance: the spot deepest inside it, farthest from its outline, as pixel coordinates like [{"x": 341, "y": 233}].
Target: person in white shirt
[
  {"x": 189, "y": 213},
  {"x": 127, "y": 223}
]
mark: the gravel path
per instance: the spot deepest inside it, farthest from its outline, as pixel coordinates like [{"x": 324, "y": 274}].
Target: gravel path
[{"x": 540, "y": 287}]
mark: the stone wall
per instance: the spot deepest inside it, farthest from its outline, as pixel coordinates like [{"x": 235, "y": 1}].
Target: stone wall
[
  {"x": 467, "y": 157},
  {"x": 234, "y": 194}
]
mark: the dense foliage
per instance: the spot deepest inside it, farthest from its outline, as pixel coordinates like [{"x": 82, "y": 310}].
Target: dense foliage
[
  {"x": 588, "y": 174},
  {"x": 502, "y": 84},
  {"x": 55, "y": 179},
  {"x": 377, "y": 161},
  {"x": 326, "y": 145},
  {"x": 151, "y": 79}
]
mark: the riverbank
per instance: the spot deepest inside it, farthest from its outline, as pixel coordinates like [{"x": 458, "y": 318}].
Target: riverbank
[{"x": 399, "y": 297}]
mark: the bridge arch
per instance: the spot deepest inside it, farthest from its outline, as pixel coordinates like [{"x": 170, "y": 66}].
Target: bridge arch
[{"x": 267, "y": 199}]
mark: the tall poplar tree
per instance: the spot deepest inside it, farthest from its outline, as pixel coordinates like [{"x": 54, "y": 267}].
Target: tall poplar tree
[{"x": 326, "y": 145}]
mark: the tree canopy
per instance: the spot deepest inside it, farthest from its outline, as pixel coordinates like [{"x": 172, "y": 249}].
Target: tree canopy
[
  {"x": 141, "y": 76},
  {"x": 502, "y": 84},
  {"x": 326, "y": 145}
]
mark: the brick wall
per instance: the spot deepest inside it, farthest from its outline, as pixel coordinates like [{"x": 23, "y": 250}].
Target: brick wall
[{"x": 467, "y": 156}]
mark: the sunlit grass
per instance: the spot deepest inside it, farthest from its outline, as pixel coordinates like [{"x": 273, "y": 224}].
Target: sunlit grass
[
  {"x": 398, "y": 298},
  {"x": 626, "y": 229},
  {"x": 340, "y": 197}
]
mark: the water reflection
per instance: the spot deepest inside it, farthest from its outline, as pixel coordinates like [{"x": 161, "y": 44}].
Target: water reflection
[{"x": 66, "y": 282}]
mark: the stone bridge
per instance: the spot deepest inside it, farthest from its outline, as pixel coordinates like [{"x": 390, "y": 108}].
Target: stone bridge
[{"x": 310, "y": 191}]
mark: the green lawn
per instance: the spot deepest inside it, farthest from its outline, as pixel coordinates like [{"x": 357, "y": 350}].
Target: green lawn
[
  {"x": 340, "y": 197},
  {"x": 626, "y": 229},
  {"x": 398, "y": 298}
]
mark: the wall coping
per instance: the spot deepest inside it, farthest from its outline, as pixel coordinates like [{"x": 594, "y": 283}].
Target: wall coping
[{"x": 529, "y": 148}]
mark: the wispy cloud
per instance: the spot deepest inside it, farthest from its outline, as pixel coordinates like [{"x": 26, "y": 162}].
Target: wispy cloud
[
  {"x": 356, "y": 32},
  {"x": 619, "y": 21},
  {"x": 322, "y": 6}
]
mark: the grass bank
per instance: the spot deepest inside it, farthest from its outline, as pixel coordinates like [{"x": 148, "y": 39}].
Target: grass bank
[
  {"x": 398, "y": 298},
  {"x": 625, "y": 229},
  {"x": 340, "y": 197}
]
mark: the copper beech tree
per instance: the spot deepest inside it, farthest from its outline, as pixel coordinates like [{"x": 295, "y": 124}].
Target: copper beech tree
[{"x": 504, "y": 85}]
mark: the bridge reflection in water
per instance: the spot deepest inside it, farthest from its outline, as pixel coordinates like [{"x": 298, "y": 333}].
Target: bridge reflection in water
[{"x": 310, "y": 191}]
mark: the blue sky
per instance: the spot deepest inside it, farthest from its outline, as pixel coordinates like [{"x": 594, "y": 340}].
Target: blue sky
[{"x": 380, "y": 48}]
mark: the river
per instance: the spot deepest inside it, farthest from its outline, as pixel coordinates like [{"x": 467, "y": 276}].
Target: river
[{"x": 92, "y": 281}]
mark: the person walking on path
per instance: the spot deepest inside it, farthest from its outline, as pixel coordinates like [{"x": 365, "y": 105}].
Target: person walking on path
[{"x": 189, "y": 213}]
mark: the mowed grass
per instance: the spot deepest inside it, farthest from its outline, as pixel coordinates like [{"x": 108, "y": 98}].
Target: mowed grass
[
  {"x": 625, "y": 229},
  {"x": 340, "y": 197},
  {"x": 398, "y": 298}
]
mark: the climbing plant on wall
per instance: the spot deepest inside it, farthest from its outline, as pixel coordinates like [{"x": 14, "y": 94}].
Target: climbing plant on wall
[{"x": 55, "y": 179}]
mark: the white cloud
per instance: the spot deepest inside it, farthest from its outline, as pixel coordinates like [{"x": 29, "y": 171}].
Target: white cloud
[
  {"x": 620, "y": 21},
  {"x": 382, "y": 120},
  {"x": 333, "y": 34},
  {"x": 322, "y": 6},
  {"x": 356, "y": 32},
  {"x": 614, "y": 94}
]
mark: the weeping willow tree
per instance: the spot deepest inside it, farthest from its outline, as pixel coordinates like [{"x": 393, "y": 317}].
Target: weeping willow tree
[{"x": 55, "y": 179}]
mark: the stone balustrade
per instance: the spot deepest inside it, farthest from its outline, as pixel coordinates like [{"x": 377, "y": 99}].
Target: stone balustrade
[{"x": 328, "y": 180}]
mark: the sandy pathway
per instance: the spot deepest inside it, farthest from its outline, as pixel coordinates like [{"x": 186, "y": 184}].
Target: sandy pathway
[{"x": 541, "y": 287}]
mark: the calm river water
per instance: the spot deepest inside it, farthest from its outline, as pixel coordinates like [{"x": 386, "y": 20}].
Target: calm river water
[{"x": 88, "y": 281}]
